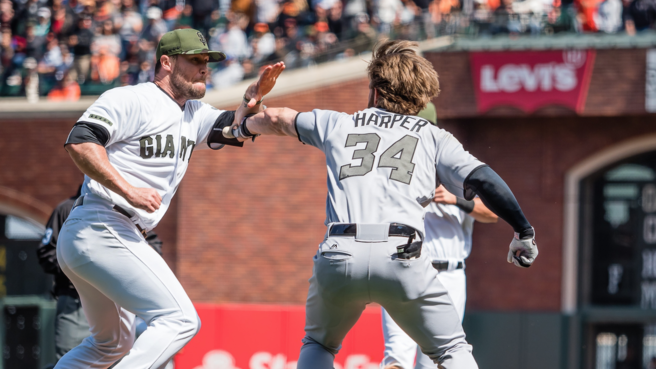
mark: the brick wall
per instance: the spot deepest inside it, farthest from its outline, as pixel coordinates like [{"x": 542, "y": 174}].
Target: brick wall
[{"x": 246, "y": 221}]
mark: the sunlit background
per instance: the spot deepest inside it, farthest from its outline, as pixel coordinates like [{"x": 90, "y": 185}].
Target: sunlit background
[{"x": 558, "y": 96}]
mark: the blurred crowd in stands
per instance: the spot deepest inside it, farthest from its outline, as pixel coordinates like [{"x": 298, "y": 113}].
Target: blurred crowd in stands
[{"x": 64, "y": 48}]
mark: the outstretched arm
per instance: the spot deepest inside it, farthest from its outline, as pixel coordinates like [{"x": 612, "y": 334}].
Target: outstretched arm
[
  {"x": 498, "y": 197},
  {"x": 271, "y": 121},
  {"x": 274, "y": 121},
  {"x": 251, "y": 103}
]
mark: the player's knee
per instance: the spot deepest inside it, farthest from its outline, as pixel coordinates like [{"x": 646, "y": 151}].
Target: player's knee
[
  {"x": 114, "y": 347},
  {"x": 458, "y": 350},
  {"x": 194, "y": 325},
  {"x": 189, "y": 326}
]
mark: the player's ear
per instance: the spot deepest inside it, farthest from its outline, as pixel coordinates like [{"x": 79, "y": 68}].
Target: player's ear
[
  {"x": 375, "y": 91},
  {"x": 167, "y": 63}
]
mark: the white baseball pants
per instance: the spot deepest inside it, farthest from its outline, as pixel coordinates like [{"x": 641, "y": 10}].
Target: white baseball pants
[
  {"x": 400, "y": 349},
  {"x": 349, "y": 273},
  {"x": 118, "y": 275}
]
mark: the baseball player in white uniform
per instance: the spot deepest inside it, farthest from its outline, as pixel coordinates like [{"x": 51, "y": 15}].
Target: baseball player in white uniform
[
  {"x": 134, "y": 145},
  {"x": 383, "y": 163},
  {"x": 449, "y": 223}
]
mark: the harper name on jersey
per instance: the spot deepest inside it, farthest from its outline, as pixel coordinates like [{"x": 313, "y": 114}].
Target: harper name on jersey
[{"x": 389, "y": 120}]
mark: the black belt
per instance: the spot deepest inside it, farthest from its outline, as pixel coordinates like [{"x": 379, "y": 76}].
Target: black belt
[
  {"x": 116, "y": 208},
  {"x": 410, "y": 250},
  {"x": 351, "y": 229},
  {"x": 443, "y": 266}
]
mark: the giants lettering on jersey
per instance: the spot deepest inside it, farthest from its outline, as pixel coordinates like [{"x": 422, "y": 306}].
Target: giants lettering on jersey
[
  {"x": 389, "y": 120},
  {"x": 160, "y": 149}
]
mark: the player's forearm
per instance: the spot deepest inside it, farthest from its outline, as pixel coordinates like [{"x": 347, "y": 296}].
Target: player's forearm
[
  {"x": 92, "y": 160},
  {"x": 496, "y": 195},
  {"x": 273, "y": 121},
  {"x": 482, "y": 214},
  {"x": 243, "y": 110}
]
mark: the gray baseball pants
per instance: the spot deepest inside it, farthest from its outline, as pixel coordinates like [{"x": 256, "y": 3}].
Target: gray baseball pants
[
  {"x": 400, "y": 349},
  {"x": 351, "y": 272},
  {"x": 118, "y": 275}
]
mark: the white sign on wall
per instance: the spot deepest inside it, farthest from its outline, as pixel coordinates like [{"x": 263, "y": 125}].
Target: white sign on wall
[{"x": 650, "y": 83}]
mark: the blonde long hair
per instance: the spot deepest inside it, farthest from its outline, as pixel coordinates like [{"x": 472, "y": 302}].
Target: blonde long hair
[{"x": 405, "y": 81}]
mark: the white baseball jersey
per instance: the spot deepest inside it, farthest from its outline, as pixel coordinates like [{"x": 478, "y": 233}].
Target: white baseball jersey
[
  {"x": 382, "y": 166},
  {"x": 448, "y": 232},
  {"x": 151, "y": 140}
]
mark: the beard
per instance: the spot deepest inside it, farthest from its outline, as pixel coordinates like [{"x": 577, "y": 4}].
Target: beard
[{"x": 187, "y": 89}]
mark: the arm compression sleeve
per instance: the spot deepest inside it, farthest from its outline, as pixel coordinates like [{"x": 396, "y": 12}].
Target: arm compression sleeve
[
  {"x": 216, "y": 140},
  {"x": 496, "y": 195},
  {"x": 88, "y": 132}
]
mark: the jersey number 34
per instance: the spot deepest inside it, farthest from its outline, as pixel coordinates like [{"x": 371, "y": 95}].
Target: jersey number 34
[{"x": 398, "y": 156}]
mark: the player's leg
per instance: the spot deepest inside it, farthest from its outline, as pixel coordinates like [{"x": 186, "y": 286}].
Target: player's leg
[
  {"x": 156, "y": 296},
  {"x": 326, "y": 326},
  {"x": 112, "y": 333},
  {"x": 126, "y": 270},
  {"x": 455, "y": 283},
  {"x": 423, "y": 361},
  {"x": 333, "y": 305},
  {"x": 432, "y": 322},
  {"x": 400, "y": 349},
  {"x": 413, "y": 296}
]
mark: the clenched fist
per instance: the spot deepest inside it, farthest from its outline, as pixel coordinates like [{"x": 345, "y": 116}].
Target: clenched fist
[
  {"x": 523, "y": 251},
  {"x": 147, "y": 199}
]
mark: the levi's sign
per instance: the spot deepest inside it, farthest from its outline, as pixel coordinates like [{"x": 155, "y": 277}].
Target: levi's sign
[{"x": 530, "y": 80}]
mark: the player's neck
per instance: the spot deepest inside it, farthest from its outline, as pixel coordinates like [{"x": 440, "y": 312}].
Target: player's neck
[{"x": 165, "y": 85}]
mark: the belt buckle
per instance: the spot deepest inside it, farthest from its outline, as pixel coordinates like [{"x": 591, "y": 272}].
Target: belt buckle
[{"x": 142, "y": 231}]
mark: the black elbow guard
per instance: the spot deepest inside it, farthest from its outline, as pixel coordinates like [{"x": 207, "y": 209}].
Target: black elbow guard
[
  {"x": 216, "y": 140},
  {"x": 83, "y": 132}
]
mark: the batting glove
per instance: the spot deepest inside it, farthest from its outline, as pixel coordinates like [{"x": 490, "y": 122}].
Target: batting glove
[{"x": 524, "y": 250}]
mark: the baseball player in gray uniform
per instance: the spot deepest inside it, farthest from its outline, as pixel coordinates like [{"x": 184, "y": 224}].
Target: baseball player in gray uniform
[
  {"x": 134, "y": 145},
  {"x": 449, "y": 223},
  {"x": 383, "y": 163}
]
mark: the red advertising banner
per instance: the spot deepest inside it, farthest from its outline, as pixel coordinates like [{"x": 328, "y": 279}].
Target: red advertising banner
[
  {"x": 530, "y": 80},
  {"x": 269, "y": 337}
]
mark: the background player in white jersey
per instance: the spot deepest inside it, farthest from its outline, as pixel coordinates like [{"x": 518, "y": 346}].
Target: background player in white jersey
[
  {"x": 133, "y": 145},
  {"x": 449, "y": 223},
  {"x": 383, "y": 163}
]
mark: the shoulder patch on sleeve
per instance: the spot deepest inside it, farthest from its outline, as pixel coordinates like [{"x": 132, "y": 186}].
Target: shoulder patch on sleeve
[{"x": 100, "y": 118}]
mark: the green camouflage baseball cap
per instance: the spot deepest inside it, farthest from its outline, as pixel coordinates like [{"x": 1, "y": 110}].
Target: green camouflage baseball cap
[
  {"x": 429, "y": 113},
  {"x": 186, "y": 42}
]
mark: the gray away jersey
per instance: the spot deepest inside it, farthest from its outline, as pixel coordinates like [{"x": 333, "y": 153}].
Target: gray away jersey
[
  {"x": 383, "y": 167},
  {"x": 151, "y": 140}
]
